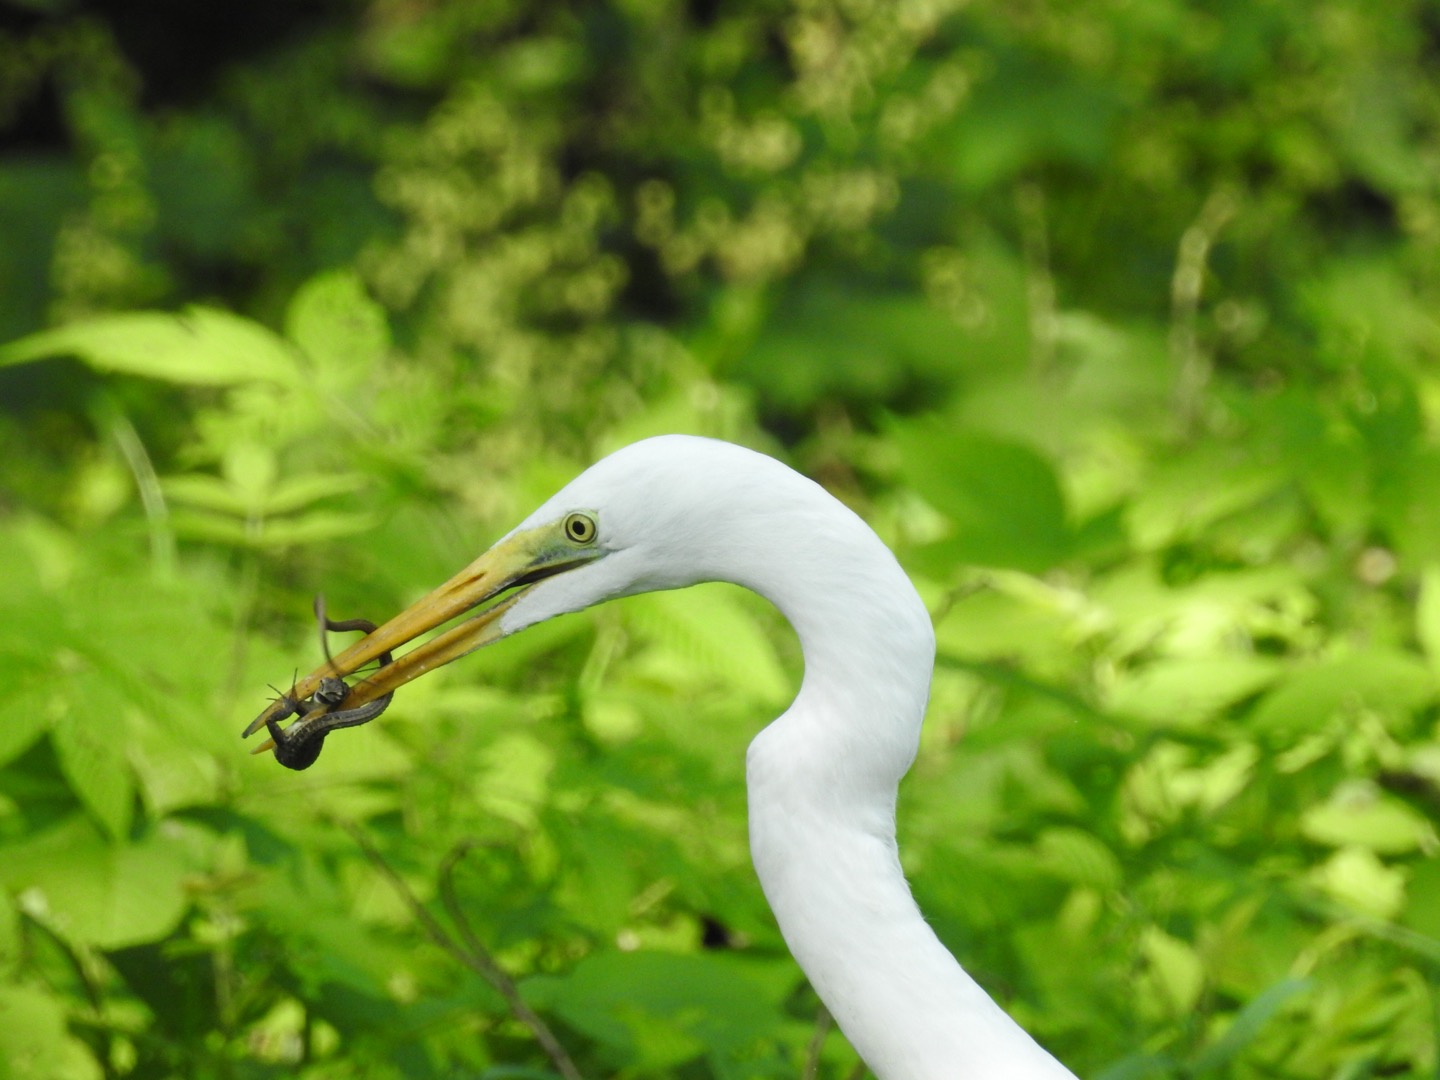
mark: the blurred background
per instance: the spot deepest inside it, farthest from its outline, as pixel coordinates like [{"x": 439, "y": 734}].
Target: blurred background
[{"x": 1119, "y": 321}]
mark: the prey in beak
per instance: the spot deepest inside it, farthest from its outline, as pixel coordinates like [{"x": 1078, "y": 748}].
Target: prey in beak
[{"x": 503, "y": 575}]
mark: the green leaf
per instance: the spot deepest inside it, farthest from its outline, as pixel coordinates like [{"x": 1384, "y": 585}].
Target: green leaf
[
  {"x": 1391, "y": 683},
  {"x": 172, "y": 772},
  {"x": 1188, "y": 691},
  {"x": 516, "y": 777},
  {"x": 96, "y": 892},
  {"x": 288, "y": 495},
  {"x": 1422, "y": 911},
  {"x": 9, "y": 933},
  {"x": 35, "y": 1041},
  {"x": 89, "y": 741},
  {"x": 1002, "y": 498},
  {"x": 271, "y": 533},
  {"x": 662, "y": 1009},
  {"x": 1015, "y": 619},
  {"x": 1357, "y": 878},
  {"x": 337, "y": 324},
  {"x": 251, "y": 468},
  {"x": 206, "y": 492},
  {"x": 326, "y": 944},
  {"x": 1180, "y": 497},
  {"x": 1363, "y": 816},
  {"x": 1427, "y": 615},
  {"x": 202, "y": 347},
  {"x": 840, "y": 340},
  {"x": 1139, "y": 1067},
  {"x": 1079, "y": 857},
  {"x": 1247, "y": 1025},
  {"x": 600, "y": 860},
  {"x": 23, "y": 705},
  {"x": 1173, "y": 973},
  {"x": 707, "y": 631},
  {"x": 292, "y": 493}
]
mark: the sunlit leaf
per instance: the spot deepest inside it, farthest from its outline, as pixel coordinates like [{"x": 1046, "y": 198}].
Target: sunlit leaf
[
  {"x": 1181, "y": 495},
  {"x": 1392, "y": 683},
  {"x": 1427, "y": 615},
  {"x": 1361, "y": 816},
  {"x": 207, "y": 493},
  {"x": 89, "y": 736},
  {"x": 295, "y": 492},
  {"x": 1174, "y": 974},
  {"x": 311, "y": 527},
  {"x": 336, "y": 323},
  {"x": 23, "y": 706},
  {"x": 251, "y": 468},
  {"x": 202, "y": 347},
  {"x": 95, "y": 891},
  {"x": 35, "y": 1041},
  {"x": 1187, "y": 691},
  {"x": 1356, "y": 878}
]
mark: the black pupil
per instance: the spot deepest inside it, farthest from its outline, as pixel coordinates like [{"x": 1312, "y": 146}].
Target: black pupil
[{"x": 578, "y": 528}]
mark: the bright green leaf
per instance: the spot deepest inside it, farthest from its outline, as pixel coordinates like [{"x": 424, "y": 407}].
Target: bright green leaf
[
  {"x": 1173, "y": 971},
  {"x": 202, "y": 347},
  {"x": 1427, "y": 615},
  {"x": 1356, "y": 878},
  {"x": 23, "y": 706},
  {"x": 337, "y": 324},
  {"x": 95, "y": 891},
  {"x": 1392, "y": 683},
  {"x": 35, "y": 1041},
  {"x": 251, "y": 468},
  {"x": 1360, "y": 815},
  {"x": 1188, "y": 691},
  {"x": 90, "y": 744}
]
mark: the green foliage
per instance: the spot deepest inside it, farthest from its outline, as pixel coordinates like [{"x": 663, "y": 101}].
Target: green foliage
[{"x": 1118, "y": 321}]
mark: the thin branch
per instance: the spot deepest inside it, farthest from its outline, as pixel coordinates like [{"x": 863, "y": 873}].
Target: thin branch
[
  {"x": 823, "y": 1023},
  {"x": 491, "y": 971},
  {"x": 472, "y": 953},
  {"x": 1039, "y": 281},
  {"x": 974, "y": 583},
  {"x": 152, "y": 498},
  {"x": 1186, "y": 286}
]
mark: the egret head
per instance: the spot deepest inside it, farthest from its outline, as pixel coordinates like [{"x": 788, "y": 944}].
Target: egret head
[{"x": 660, "y": 514}]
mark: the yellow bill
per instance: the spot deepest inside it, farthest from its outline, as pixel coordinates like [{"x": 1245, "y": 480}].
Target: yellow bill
[{"x": 511, "y": 567}]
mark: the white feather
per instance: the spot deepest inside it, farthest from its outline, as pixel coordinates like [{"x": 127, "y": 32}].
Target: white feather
[{"x": 677, "y": 510}]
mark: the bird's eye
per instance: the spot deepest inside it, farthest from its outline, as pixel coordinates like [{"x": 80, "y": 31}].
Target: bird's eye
[{"x": 580, "y": 528}]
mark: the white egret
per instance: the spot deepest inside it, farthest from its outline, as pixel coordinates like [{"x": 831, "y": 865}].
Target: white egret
[{"x": 674, "y": 511}]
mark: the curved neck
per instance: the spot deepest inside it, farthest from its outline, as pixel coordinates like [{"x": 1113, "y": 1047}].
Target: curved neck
[{"x": 822, "y": 784}]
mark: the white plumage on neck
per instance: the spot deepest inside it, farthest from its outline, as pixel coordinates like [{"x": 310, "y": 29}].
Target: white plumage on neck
[{"x": 676, "y": 510}]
